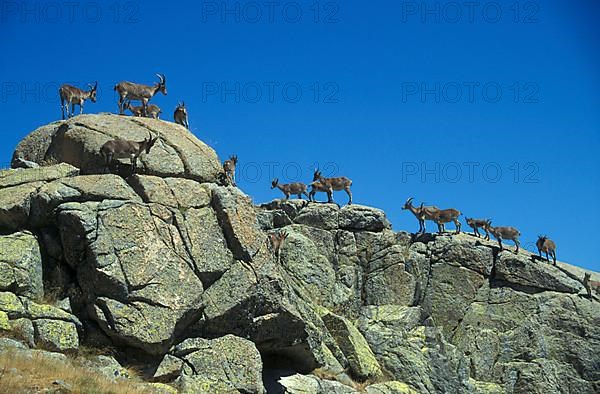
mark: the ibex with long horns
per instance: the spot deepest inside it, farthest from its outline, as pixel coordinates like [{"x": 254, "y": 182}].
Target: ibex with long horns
[
  {"x": 124, "y": 148},
  {"x": 143, "y": 93},
  {"x": 72, "y": 96}
]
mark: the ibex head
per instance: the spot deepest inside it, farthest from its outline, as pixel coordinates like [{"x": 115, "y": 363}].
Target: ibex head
[
  {"x": 93, "y": 91},
  {"x": 181, "y": 107},
  {"x": 274, "y": 183},
  {"x": 162, "y": 83},
  {"x": 149, "y": 143},
  {"x": 408, "y": 203},
  {"x": 316, "y": 175}
]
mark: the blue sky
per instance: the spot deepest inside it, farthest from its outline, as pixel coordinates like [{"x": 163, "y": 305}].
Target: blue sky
[{"x": 490, "y": 108}]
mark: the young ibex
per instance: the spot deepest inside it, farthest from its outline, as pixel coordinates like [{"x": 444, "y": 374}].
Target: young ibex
[
  {"x": 328, "y": 185},
  {"x": 590, "y": 284},
  {"x": 229, "y": 168},
  {"x": 70, "y": 95},
  {"x": 136, "y": 91},
  {"x": 509, "y": 233},
  {"x": 477, "y": 224},
  {"x": 289, "y": 189},
  {"x": 546, "y": 245},
  {"x": 443, "y": 216},
  {"x": 124, "y": 148},
  {"x": 153, "y": 110},
  {"x": 421, "y": 213},
  {"x": 181, "y": 116},
  {"x": 277, "y": 239}
]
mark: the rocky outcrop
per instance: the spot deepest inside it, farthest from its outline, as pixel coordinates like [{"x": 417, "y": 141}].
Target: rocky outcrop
[
  {"x": 173, "y": 270},
  {"x": 77, "y": 141}
]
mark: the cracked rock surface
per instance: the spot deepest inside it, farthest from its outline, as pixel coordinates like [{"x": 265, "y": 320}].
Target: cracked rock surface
[{"x": 170, "y": 267}]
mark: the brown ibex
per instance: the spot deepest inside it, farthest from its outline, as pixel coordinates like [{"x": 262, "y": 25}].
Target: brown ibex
[
  {"x": 277, "y": 240},
  {"x": 124, "y": 148},
  {"x": 181, "y": 116},
  {"x": 590, "y": 284},
  {"x": 477, "y": 224},
  {"x": 297, "y": 188},
  {"x": 509, "y": 233},
  {"x": 329, "y": 185},
  {"x": 153, "y": 110},
  {"x": 422, "y": 213},
  {"x": 229, "y": 168},
  {"x": 71, "y": 95},
  {"x": 443, "y": 216},
  {"x": 135, "y": 91},
  {"x": 546, "y": 245}
]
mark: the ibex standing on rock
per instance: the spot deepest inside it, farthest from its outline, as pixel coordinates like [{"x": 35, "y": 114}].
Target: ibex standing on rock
[
  {"x": 477, "y": 224},
  {"x": 590, "y": 284},
  {"x": 229, "y": 168},
  {"x": 72, "y": 96},
  {"x": 421, "y": 213},
  {"x": 547, "y": 246},
  {"x": 136, "y": 91},
  {"x": 154, "y": 110},
  {"x": 123, "y": 148},
  {"x": 181, "y": 116},
  {"x": 328, "y": 185},
  {"x": 443, "y": 216},
  {"x": 501, "y": 233},
  {"x": 289, "y": 189},
  {"x": 277, "y": 239}
]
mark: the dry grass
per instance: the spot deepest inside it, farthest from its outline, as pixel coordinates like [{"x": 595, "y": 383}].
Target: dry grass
[{"x": 39, "y": 373}]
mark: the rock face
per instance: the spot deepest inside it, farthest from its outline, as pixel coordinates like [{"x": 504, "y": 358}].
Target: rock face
[{"x": 173, "y": 267}]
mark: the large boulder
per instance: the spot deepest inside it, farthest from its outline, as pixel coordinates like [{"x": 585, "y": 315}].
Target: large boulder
[
  {"x": 18, "y": 186},
  {"x": 21, "y": 265},
  {"x": 226, "y": 364},
  {"x": 77, "y": 141},
  {"x": 134, "y": 269}
]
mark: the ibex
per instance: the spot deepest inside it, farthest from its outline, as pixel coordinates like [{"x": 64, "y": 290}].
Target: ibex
[
  {"x": 443, "y": 216},
  {"x": 229, "y": 168},
  {"x": 70, "y": 95},
  {"x": 289, "y": 189},
  {"x": 181, "y": 116},
  {"x": 154, "y": 110},
  {"x": 277, "y": 239},
  {"x": 501, "y": 233},
  {"x": 477, "y": 224},
  {"x": 421, "y": 213},
  {"x": 590, "y": 284},
  {"x": 136, "y": 91},
  {"x": 328, "y": 185},
  {"x": 124, "y": 148},
  {"x": 547, "y": 246}
]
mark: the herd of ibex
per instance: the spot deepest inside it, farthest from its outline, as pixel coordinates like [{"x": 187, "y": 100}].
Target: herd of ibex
[
  {"x": 70, "y": 96},
  {"x": 119, "y": 148}
]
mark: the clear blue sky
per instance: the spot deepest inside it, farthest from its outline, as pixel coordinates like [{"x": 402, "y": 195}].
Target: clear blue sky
[{"x": 407, "y": 101}]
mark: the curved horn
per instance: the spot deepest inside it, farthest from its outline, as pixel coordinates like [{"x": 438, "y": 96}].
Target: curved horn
[
  {"x": 162, "y": 78},
  {"x": 95, "y": 85},
  {"x": 410, "y": 200}
]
